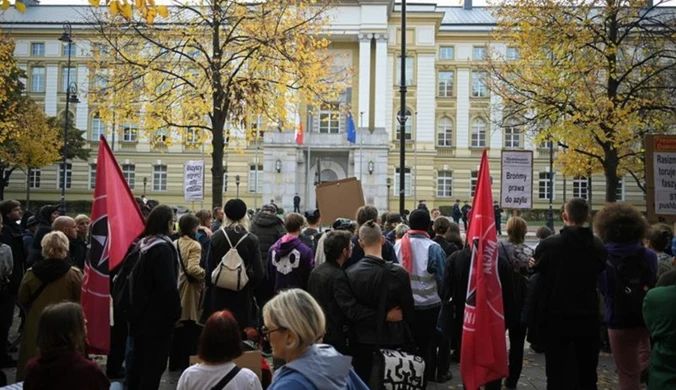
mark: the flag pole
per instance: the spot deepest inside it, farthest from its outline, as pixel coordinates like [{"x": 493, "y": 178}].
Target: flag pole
[{"x": 361, "y": 146}]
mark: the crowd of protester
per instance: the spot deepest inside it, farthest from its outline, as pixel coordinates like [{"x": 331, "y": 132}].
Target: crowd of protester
[{"x": 211, "y": 285}]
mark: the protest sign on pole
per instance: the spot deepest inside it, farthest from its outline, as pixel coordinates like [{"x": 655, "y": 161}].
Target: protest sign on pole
[
  {"x": 660, "y": 173},
  {"x": 516, "y": 179},
  {"x": 193, "y": 181}
]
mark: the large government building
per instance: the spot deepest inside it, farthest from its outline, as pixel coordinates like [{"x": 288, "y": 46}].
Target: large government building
[{"x": 450, "y": 117}]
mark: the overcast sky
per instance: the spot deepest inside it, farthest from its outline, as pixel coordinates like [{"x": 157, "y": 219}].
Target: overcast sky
[{"x": 438, "y": 2}]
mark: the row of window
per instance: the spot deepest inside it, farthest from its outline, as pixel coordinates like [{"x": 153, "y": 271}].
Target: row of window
[
  {"x": 38, "y": 78},
  {"x": 445, "y": 81},
  {"x": 478, "y": 53},
  {"x": 38, "y": 49}
]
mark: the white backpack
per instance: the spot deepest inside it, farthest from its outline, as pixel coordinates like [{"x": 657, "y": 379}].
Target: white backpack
[{"x": 231, "y": 272}]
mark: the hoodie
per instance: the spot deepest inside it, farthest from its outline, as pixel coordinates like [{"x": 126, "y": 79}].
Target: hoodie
[
  {"x": 50, "y": 270},
  {"x": 289, "y": 264},
  {"x": 319, "y": 368},
  {"x": 268, "y": 228}
]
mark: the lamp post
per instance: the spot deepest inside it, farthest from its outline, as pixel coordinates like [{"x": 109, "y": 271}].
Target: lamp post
[
  {"x": 237, "y": 184},
  {"x": 402, "y": 112},
  {"x": 67, "y": 39},
  {"x": 145, "y": 183},
  {"x": 550, "y": 215},
  {"x": 389, "y": 184}
]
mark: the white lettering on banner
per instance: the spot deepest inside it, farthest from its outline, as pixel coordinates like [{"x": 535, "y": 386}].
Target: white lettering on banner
[
  {"x": 193, "y": 181},
  {"x": 664, "y": 169},
  {"x": 517, "y": 180}
]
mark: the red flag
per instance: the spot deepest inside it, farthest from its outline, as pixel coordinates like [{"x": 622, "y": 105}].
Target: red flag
[
  {"x": 299, "y": 134},
  {"x": 116, "y": 222},
  {"x": 483, "y": 357}
]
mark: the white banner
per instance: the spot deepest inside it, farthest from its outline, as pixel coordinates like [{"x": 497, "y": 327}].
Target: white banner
[
  {"x": 516, "y": 191},
  {"x": 193, "y": 181},
  {"x": 664, "y": 168}
]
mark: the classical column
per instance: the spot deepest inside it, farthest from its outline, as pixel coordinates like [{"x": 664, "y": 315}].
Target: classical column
[
  {"x": 381, "y": 80},
  {"x": 362, "y": 117}
]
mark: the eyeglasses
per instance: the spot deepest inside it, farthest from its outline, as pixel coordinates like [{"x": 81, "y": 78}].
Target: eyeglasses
[{"x": 266, "y": 332}]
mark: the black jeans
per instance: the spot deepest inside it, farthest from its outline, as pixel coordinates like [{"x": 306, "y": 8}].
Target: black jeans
[
  {"x": 118, "y": 344},
  {"x": 441, "y": 358},
  {"x": 517, "y": 338},
  {"x": 424, "y": 331},
  {"x": 148, "y": 361},
  {"x": 183, "y": 345},
  {"x": 572, "y": 348},
  {"x": 7, "y": 301}
]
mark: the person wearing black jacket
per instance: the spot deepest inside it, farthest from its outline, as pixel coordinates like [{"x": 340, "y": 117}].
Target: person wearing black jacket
[
  {"x": 239, "y": 303},
  {"x": 565, "y": 310},
  {"x": 12, "y": 236},
  {"x": 365, "y": 279},
  {"x": 45, "y": 217},
  {"x": 365, "y": 214},
  {"x": 155, "y": 303}
]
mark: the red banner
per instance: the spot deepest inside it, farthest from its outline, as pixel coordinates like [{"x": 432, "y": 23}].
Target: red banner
[
  {"x": 483, "y": 357},
  {"x": 116, "y": 222}
]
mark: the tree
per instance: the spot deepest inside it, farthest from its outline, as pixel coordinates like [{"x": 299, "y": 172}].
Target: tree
[
  {"x": 212, "y": 68},
  {"x": 591, "y": 75},
  {"x": 76, "y": 146},
  {"x": 32, "y": 144},
  {"x": 11, "y": 87}
]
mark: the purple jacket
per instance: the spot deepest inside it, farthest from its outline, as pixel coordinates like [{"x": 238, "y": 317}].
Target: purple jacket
[
  {"x": 607, "y": 280},
  {"x": 289, "y": 264}
]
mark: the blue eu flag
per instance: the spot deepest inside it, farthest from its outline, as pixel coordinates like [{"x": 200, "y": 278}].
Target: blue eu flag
[{"x": 351, "y": 131}]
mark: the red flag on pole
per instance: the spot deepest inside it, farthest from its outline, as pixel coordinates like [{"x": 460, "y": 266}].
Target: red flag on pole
[
  {"x": 299, "y": 134},
  {"x": 483, "y": 357},
  {"x": 116, "y": 223}
]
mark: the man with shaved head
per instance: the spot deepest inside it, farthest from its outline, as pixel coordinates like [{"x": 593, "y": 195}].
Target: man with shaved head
[{"x": 68, "y": 226}]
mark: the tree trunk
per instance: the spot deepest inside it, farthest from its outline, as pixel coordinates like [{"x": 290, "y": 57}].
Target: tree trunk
[
  {"x": 218, "y": 144},
  {"x": 610, "y": 171},
  {"x": 5, "y": 174}
]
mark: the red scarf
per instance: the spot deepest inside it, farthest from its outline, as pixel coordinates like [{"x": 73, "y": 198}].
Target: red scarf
[{"x": 406, "y": 254}]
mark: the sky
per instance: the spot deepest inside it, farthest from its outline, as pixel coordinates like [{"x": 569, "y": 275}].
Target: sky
[{"x": 438, "y": 2}]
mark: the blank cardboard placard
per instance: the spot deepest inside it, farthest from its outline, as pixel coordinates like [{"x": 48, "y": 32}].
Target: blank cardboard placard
[{"x": 339, "y": 199}]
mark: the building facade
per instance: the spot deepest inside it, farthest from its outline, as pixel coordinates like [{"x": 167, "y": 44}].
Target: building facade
[{"x": 451, "y": 118}]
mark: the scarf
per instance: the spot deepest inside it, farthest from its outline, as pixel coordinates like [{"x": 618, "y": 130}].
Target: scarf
[{"x": 406, "y": 253}]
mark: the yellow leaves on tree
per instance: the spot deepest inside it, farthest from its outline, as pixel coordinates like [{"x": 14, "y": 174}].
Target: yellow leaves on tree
[
  {"x": 595, "y": 76},
  {"x": 11, "y": 87}
]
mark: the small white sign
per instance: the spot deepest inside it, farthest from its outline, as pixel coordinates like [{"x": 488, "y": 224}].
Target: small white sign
[
  {"x": 193, "y": 181},
  {"x": 664, "y": 169},
  {"x": 516, "y": 191}
]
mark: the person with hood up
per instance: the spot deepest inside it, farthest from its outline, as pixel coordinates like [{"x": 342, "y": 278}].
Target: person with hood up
[
  {"x": 155, "y": 302},
  {"x": 268, "y": 228},
  {"x": 294, "y": 325},
  {"x": 289, "y": 260},
  {"x": 630, "y": 272},
  {"x": 45, "y": 217},
  {"x": 51, "y": 280}
]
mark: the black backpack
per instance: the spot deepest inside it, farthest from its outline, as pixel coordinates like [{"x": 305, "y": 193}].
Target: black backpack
[
  {"x": 121, "y": 286},
  {"x": 310, "y": 239},
  {"x": 633, "y": 278}
]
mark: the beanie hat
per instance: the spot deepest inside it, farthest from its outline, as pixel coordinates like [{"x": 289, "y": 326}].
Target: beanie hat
[
  {"x": 269, "y": 208},
  {"x": 235, "y": 209},
  {"x": 420, "y": 220}
]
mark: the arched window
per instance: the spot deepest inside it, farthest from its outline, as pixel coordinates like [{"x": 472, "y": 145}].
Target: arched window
[
  {"x": 478, "y": 133},
  {"x": 445, "y": 132},
  {"x": 408, "y": 126}
]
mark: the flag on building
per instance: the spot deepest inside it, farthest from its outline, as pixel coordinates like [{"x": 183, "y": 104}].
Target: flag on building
[
  {"x": 351, "y": 131},
  {"x": 484, "y": 351},
  {"x": 299, "y": 134},
  {"x": 116, "y": 223}
]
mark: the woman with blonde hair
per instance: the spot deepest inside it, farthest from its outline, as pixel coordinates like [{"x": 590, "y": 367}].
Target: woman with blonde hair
[
  {"x": 295, "y": 325},
  {"x": 51, "y": 280}
]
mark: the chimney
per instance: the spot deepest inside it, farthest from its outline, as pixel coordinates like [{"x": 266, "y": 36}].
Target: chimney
[{"x": 467, "y": 4}]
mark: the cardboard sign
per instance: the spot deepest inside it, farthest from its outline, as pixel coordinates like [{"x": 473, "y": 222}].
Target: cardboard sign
[
  {"x": 516, "y": 179},
  {"x": 660, "y": 173},
  {"x": 193, "y": 181},
  {"x": 249, "y": 359},
  {"x": 339, "y": 199}
]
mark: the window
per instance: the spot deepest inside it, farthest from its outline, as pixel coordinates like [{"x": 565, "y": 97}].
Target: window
[
  {"x": 34, "y": 179},
  {"x": 445, "y": 84},
  {"x": 38, "y": 79},
  {"x": 479, "y": 53},
  {"x": 38, "y": 49},
  {"x": 409, "y": 71},
  {"x": 620, "y": 190},
  {"x": 543, "y": 186},
  {"x": 129, "y": 173},
  {"x": 545, "y": 145},
  {"x": 479, "y": 88},
  {"x": 329, "y": 119},
  {"x": 192, "y": 136},
  {"x": 444, "y": 184},
  {"x": 67, "y": 77},
  {"x": 408, "y": 190},
  {"x": 445, "y": 132},
  {"x": 98, "y": 128},
  {"x": 580, "y": 187},
  {"x": 512, "y": 54},
  {"x": 100, "y": 81},
  {"x": 92, "y": 176},
  {"x": 408, "y": 126},
  {"x": 159, "y": 178},
  {"x": 160, "y": 136},
  {"x": 447, "y": 53},
  {"x": 69, "y": 176},
  {"x": 473, "y": 179},
  {"x": 512, "y": 137},
  {"x": 478, "y": 133},
  {"x": 129, "y": 132},
  {"x": 69, "y": 49},
  {"x": 256, "y": 178}
]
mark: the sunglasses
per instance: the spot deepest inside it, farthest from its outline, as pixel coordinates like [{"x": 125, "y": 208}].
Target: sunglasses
[{"x": 266, "y": 332}]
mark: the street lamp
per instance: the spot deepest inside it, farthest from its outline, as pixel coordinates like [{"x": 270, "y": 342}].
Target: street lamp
[
  {"x": 550, "y": 215},
  {"x": 145, "y": 183},
  {"x": 278, "y": 166},
  {"x": 402, "y": 111},
  {"x": 237, "y": 184},
  {"x": 71, "y": 96},
  {"x": 389, "y": 184}
]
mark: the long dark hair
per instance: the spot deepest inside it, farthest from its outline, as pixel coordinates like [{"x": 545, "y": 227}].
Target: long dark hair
[
  {"x": 158, "y": 221},
  {"x": 61, "y": 328}
]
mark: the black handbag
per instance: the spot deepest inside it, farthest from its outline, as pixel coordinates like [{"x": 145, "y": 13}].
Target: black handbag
[{"x": 393, "y": 368}]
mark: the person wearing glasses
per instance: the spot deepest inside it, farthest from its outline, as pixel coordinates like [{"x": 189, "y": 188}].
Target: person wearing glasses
[{"x": 294, "y": 326}]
